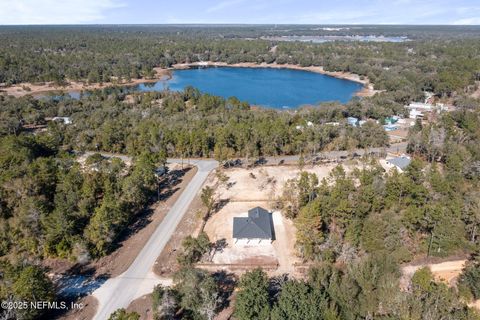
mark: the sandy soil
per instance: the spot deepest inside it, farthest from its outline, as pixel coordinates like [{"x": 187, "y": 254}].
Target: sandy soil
[
  {"x": 475, "y": 304},
  {"x": 267, "y": 182},
  {"x": 86, "y": 313},
  {"x": 447, "y": 271},
  {"x": 26, "y": 88},
  {"x": 476, "y": 93},
  {"x": 281, "y": 252},
  {"x": 245, "y": 189},
  {"x": 367, "y": 90},
  {"x": 142, "y": 306}
]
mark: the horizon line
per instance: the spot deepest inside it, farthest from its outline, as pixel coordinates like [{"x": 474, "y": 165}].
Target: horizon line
[{"x": 242, "y": 24}]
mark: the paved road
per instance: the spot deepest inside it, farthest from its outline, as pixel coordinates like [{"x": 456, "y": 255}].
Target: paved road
[{"x": 139, "y": 278}]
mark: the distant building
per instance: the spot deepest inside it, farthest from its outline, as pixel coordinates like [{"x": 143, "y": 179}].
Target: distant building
[
  {"x": 257, "y": 228},
  {"x": 352, "y": 121},
  {"x": 390, "y": 127},
  {"x": 426, "y": 107},
  {"x": 335, "y": 124},
  {"x": 400, "y": 163},
  {"x": 65, "y": 120},
  {"x": 414, "y": 114}
]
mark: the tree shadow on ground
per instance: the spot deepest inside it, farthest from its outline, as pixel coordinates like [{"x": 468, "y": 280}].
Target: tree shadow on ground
[{"x": 226, "y": 284}]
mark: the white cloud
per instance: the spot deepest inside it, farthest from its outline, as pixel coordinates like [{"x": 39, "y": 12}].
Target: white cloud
[{"x": 54, "y": 11}]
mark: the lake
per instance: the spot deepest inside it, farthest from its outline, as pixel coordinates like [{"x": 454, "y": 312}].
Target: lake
[{"x": 268, "y": 87}]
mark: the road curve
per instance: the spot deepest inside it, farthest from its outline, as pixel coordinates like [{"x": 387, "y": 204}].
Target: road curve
[{"x": 139, "y": 278}]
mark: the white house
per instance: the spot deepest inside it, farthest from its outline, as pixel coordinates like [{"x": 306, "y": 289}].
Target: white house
[
  {"x": 414, "y": 114},
  {"x": 65, "y": 120}
]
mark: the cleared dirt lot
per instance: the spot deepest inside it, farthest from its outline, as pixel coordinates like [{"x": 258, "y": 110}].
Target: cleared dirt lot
[
  {"x": 281, "y": 252},
  {"x": 246, "y": 189},
  {"x": 264, "y": 183}
]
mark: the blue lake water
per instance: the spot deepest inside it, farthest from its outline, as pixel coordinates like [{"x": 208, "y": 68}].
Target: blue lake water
[{"x": 268, "y": 87}]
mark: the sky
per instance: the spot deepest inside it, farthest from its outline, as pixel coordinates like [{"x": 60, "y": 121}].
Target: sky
[{"x": 455, "y": 12}]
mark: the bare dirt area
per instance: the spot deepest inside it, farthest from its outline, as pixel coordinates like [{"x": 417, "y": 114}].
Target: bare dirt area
[
  {"x": 244, "y": 190},
  {"x": 142, "y": 306},
  {"x": 278, "y": 255},
  {"x": 265, "y": 183},
  {"x": 26, "y": 88},
  {"x": 88, "y": 311},
  {"x": 476, "y": 93}
]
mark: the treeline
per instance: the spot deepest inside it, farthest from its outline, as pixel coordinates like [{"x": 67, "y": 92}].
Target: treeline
[
  {"x": 190, "y": 124},
  {"x": 103, "y": 54},
  {"x": 365, "y": 289}
]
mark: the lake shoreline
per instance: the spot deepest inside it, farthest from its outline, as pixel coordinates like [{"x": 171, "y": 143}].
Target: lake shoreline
[
  {"x": 366, "y": 91},
  {"x": 20, "y": 90}
]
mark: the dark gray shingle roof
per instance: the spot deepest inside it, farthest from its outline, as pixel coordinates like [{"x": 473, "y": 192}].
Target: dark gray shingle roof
[
  {"x": 401, "y": 162},
  {"x": 258, "y": 225}
]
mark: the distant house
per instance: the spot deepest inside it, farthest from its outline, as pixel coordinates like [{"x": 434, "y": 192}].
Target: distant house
[
  {"x": 390, "y": 127},
  {"x": 418, "y": 109},
  {"x": 257, "y": 228},
  {"x": 335, "y": 124},
  {"x": 400, "y": 163},
  {"x": 65, "y": 120},
  {"x": 352, "y": 121},
  {"x": 420, "y": 106},
  {"x": 414, "y": 114}
]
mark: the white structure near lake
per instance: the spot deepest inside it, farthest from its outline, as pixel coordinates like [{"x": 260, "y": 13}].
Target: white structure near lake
[{"x": 418, "y": 109}]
